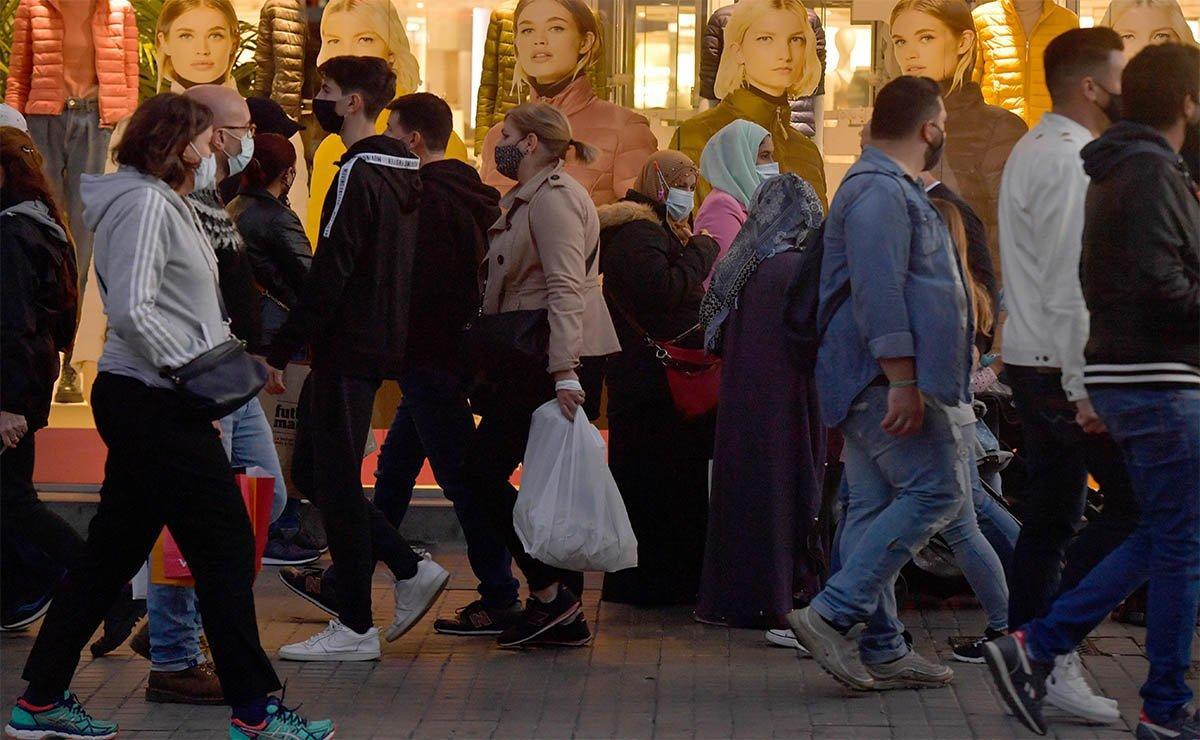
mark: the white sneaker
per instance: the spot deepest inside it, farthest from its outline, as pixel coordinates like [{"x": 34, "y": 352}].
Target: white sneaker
[
  {"x": 785, "y": 639},
  {"x": 415, "y": 595},
  {"x": 1067, "y": 689},
  {"x": 335, "y": 642}
]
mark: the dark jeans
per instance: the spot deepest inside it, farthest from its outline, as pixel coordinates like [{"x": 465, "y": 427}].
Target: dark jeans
[
  {"x": 24, "y": 516},
  {"x": 164, "y": 466},
  {"x": 333, "y": 419},
  {"x": 496, "y": 450},
  {"x": 1059, "y": 457},
  {"x": 434, "y": 420}
]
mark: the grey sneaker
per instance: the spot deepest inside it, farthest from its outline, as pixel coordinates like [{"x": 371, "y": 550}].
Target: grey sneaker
[
  {"x": 837, "y": 654},
  {"x": 910, "y": 672}
]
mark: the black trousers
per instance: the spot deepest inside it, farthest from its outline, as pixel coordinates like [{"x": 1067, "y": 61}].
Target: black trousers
[
  {"x": 1060, "y": 456},
  {"x": 496, "y": 449},
  {"x": 23, "y": 515},
  {"x": 164, "y": 466},
  {"x": 332, "y": 422}
]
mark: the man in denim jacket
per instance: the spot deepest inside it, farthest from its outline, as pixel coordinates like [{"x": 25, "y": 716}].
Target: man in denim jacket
[{"x": 892, "y": 374}]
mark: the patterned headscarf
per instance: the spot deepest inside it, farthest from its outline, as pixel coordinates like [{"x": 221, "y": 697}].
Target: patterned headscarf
[
  {"x": 782, "y": 213},
  {"x": 673, "y": 167},
  {"x": 728, "y": 159}
]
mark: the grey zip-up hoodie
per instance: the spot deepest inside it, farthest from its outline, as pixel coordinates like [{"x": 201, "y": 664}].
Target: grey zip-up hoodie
[{"x": 157, "y": 275}]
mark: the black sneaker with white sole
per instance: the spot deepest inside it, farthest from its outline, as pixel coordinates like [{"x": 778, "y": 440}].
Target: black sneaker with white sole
[
  {"x": 1183, "y": 725},
  {"x": 1020, "y": 679},
  {"x": 540, "y": 617},
  {"x": 572, "y": 633},
  {"x": 477, "y": 619},
  {"x": 970, "y": 649},
  {"x": 309, "y": 583}
]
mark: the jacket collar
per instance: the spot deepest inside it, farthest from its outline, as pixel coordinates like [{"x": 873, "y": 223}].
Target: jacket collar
[
  {"x": 1010, "y": 9},
  {"x": 874, "y": 159},
  {"x": 967, "y": 95},
  {"x": 524, "y": 193},
  {"x": 1060, "y": 124},
  {"x": 578, "y": 95},
  {"x": 259, "y": 193},
  {"x": 752, "y": 107}
]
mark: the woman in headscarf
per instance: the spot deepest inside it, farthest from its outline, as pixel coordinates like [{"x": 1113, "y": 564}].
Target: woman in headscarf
[
  {"x": 764, "y": 553},
  {"x": 735, "y": 161},
  {"x": 653, "y": 269}
]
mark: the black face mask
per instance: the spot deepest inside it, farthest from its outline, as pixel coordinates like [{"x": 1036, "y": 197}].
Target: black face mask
[
  {"x": 933, "y": 154},
  {"x": 1113, "y": 108},
  {"x": 325, "y": 111}
]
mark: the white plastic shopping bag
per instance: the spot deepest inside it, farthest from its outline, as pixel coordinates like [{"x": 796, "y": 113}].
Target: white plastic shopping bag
[{"x": 569, "y": 513}]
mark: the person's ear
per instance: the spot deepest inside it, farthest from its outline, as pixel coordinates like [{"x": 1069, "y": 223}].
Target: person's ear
[
  {"x": 736, "y": 50},
  {"x": 966, "y": 41},
  {"x": 532, "y": 140},
  {"x": 587, "y": 44}
]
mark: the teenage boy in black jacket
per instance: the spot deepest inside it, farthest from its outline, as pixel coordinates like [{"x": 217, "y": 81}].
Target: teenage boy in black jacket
[
  {"x": 1140, "y": 274},
  {"x": 353, "y": 310}
]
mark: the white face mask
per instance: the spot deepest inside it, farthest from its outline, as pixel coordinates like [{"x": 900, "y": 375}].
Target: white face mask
[
  {"x": 239, "y": 163},
  {"x": 768, "y": 170},
  {"x": 206, "y": 173},
  {"x": 680, "y": 203}
]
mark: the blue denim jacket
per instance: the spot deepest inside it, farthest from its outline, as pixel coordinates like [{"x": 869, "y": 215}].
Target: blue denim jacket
[{"x": 907, "y": 297}]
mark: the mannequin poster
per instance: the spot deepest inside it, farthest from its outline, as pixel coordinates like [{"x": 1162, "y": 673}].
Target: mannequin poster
[
  {"x": 1142, "y": 23},
  {"x": 197, "y": 43}
]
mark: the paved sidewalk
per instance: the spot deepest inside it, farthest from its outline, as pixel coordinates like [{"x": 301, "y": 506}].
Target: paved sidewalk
[{"x": 649, "y": 673}]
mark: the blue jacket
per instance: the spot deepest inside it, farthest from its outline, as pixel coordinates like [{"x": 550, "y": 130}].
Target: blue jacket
[{"x": 907, "y": 294}]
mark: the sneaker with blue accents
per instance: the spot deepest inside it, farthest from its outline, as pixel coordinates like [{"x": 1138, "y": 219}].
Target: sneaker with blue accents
[
  {"x": 65, "y": 719},
  {"x": 281, "y": 723}
]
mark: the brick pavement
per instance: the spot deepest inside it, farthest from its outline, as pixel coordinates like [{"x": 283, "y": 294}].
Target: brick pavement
[{"x": 649, "y": 673}]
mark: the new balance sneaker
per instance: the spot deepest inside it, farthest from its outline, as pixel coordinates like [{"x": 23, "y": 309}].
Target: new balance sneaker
[
  {"x": 1183, "y": 725},
  {"x": 65, "y": 718},
  {"x": 573, "y": 633},
  {"x": 415, "y": 595},
  {"x": 836, "y": 652},
  {"x": 282, "y": 723},
  {"x": 910, "y": 672},
  {"x": 337, "y": 642},
  {"x": 1020, "y": 679},
  {"x": 970, "y": 649},
  {"x": 280, "y": 551},
  {"x": 785, "y": 639},
  {"x": 309, "y": 583},
  {"x": 539, "y": 617},
  {"x": 477, "y": 619},
  {"x": 1067, "y": 689}
]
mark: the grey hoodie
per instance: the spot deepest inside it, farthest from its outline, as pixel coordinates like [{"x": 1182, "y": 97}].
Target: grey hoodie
[
  {"x": 157, "y": 274},
  {"x": 35, "y": 210}
]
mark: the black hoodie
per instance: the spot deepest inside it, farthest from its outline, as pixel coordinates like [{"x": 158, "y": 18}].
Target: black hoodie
[
  {"x": 354, "y": 303},
  {"x": 1140, "y": 268},
  {"x": 455, "y": 213}
]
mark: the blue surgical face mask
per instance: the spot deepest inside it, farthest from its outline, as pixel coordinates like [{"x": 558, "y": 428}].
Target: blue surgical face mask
[
  {"x": 206, "y": 173},
  {"x": 680, "y": 203},
  {"x": 242, "y": 160},
  {"x": 768, "y": 170}
]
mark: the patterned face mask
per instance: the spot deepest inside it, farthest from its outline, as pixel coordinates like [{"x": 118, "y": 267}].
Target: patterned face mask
[{"x": 508, "y": 159}]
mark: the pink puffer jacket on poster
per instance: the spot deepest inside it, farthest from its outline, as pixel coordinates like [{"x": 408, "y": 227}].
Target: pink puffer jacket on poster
[{"x": 35, "y": 79}]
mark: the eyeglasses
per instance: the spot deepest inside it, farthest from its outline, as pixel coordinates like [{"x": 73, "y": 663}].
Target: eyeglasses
[{"x": 249, "y": 127}]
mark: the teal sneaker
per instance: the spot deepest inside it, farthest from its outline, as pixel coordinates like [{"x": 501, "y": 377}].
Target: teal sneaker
[
  {"x": 281, "y": 724},
  {"x": 65, "y": 719}
]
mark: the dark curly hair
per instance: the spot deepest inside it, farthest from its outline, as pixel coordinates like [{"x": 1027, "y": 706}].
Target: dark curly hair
[{"x": 159, "y": 131}]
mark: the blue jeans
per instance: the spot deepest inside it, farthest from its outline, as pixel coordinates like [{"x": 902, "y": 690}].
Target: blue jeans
[
  {"x": 902, "y": 491},
  {"x": 434, "y": 420},
  {"x": 976, "y": 558},
  {"x": 1159, "y": 435},
  {"x": 172, "y": 613}
]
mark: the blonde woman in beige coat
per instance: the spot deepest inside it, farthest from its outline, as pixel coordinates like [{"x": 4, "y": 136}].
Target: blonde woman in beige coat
[{"x": 543, "y": 254}]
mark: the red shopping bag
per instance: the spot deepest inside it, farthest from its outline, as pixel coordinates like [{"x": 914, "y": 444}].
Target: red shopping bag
[{"x": 167, "y": 564}]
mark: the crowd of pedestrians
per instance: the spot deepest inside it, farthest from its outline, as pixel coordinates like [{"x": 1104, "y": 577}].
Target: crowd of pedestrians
[{"x": 858, "y": 347}]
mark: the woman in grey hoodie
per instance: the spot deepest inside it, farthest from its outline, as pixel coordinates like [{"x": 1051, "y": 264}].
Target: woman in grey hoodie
[{"x": 166, "y": 466}]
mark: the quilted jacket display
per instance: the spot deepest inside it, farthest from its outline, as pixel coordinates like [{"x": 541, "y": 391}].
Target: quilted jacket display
[
  {"x": 1009, "y": 66},
  {"x": 279, "y": 57}
]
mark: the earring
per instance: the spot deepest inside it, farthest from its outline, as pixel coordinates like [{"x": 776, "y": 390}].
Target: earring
[{"x": 743, "y": 68}]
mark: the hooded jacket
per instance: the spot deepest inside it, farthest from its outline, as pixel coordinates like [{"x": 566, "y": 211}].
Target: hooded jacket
[
  {"x": 353, "y": 307},
  {"x": 279, "y": 55},
  {"x": 278, "y": 249},
  {"x": 40, "y": 300},
  {"x": 1141, "y": 262},
  {"x": 455, "y": 213},
  {"x": 1009, "y": 65},
  {"x": 157, "y": 274}
]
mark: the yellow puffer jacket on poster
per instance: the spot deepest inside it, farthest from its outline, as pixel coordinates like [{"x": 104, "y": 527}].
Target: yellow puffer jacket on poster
[{"x": 1009, "y": 65}]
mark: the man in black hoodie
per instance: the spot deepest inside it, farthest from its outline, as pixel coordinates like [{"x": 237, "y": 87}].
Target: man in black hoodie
[
  {"x": 353, "y": 311},
  {"x": 1140, "y": 274}
]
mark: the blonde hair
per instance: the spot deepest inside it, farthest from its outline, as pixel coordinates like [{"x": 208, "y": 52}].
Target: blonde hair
[
  {"x": 956, "y": 15},
  {"x": 171, "y": 12},
  {"x": 745, "y": 13},
  {"x": 981, "y": 302},
  {"x": 552, "y": 128},
  {"x": 383, "y": 19},
  {"x": 585, "y": 20},
  {"x": 1179, "y": 24}
]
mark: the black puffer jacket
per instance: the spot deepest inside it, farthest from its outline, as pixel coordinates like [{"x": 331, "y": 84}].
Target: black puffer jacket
[
  {"x": 276, "y": 244},
  {"x": 651, "y": 275},
  {"x": 1140, "y": 268},
  {"x": 40, "y": 300},
  {"x": 353, "y": 306}
]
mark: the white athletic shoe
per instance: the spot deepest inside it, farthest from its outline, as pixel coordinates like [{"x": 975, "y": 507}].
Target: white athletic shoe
[
  {"x": 335, "y": 642},
  {"x": 1067, "y": 689},
  {"x": 785, "y": 639},
  {"x": 415, "y": 595}
]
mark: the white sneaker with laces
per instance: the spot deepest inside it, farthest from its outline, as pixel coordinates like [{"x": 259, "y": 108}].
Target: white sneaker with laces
[
  {"x": 785, "y": 639},
  {"x": 415, "y": 595},
  {"x": 1067, "y": 689},
  {"x": 335, "y": 642}
]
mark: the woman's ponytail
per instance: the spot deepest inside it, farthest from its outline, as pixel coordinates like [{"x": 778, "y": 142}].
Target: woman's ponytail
[{"x": 585, "y": 153}]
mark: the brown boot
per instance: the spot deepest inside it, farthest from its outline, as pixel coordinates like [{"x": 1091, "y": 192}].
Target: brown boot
[
  {"x": 70, "y": 385},
  {"x": 198, "y": 685}
]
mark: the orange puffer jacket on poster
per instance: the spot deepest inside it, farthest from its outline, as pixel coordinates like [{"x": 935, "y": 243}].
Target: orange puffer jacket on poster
[
  {"x": 35, "y": 80},
  {"x": 1009, "y": 66}
]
